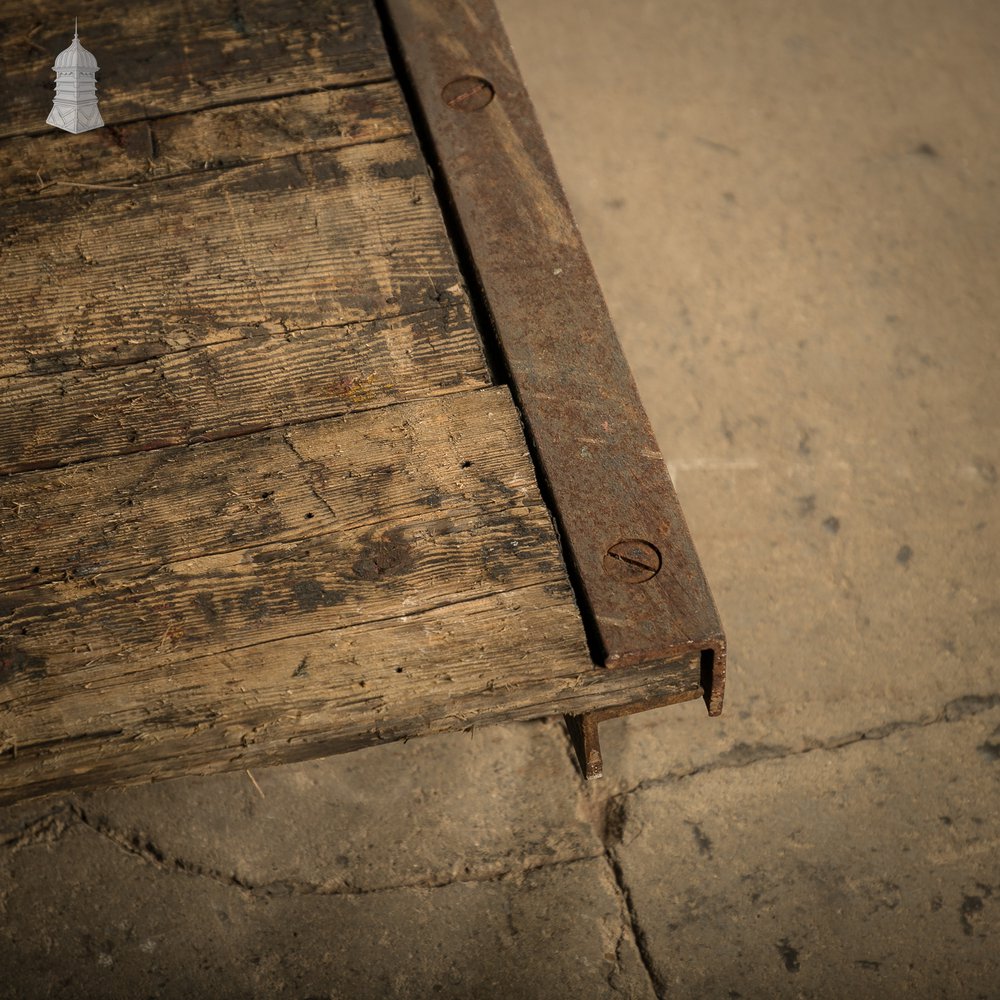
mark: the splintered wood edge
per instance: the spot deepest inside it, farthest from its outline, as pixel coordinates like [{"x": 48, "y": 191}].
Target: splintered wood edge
[{"x": 510, "y": 656}]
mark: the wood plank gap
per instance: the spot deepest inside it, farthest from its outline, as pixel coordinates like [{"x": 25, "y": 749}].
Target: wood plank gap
[
  {"x": 191, "y": 142},
  {"x": 233, "y": 168},
  {"x": 167, "y": 57}
]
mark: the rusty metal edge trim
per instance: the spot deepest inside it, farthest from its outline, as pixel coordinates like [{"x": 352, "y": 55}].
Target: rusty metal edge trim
[
  {"x": 479, "y": 131},
  {"x": 585, "y": 736}
]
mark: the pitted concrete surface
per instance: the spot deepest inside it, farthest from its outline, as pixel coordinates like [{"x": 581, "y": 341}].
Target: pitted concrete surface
[{"x": 793, "y": 211}]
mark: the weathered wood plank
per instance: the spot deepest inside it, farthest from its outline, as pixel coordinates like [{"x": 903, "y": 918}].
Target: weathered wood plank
[
  {"x": 89, "y": 631},
  {"x": 351, "y": 474},
  {"x": 371, "y": 548},
  {"x": 280, "y": 246},
  {"x": 504, "y": 656},
  {"x": 165, "y": 56},
  {"x": 417, "y": 531},
  {"x": 235, "y": 387},
  {"x": 187, "y": 143},
  {"x": 180, "y": 590}
]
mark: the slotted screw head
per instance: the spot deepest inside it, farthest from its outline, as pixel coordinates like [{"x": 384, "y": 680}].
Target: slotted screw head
[
  {"x": 467, "y": 93},
  {"x": 632, "y": 561}
]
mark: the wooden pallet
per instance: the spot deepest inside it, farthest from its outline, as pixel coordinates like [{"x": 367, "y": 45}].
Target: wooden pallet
[{"x": 262, "y": 497}]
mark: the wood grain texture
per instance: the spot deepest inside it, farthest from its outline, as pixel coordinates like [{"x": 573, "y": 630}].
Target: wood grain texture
[
  {"x": 505, "y": 656},
  {"x": 164, "y": 56},
  {"x": 280, "y": 246},
  {"x": 282, "y": 486},
  {"x": 237, "y": 386},
  {"x": 50, "y": 165},
  {"x": 366, "y": 552},
  {"x": 283, "y": 594}
]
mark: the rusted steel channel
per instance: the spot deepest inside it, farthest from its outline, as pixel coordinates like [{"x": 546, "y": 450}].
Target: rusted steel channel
[{"x": 640, "y": 586}]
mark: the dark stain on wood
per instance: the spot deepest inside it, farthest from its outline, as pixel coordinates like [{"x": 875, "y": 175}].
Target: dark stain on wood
[
  {"x": 206, "y": 605},
  {"x": 16, "y": 664},
  {"x": 147, "y": 611},
  {"x": 384, "y": 554},
  {"x": 252, "y": 604},
  {"x": 150, "y": 509},
  {"x": 402, "y": 169},
  {"x": 310, "y": 595}
]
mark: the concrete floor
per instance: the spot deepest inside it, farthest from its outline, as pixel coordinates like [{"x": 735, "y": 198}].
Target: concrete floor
[{"x": 793, "y": 210}]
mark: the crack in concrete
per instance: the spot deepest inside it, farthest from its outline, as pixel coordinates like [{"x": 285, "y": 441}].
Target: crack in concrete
[
  {"x": 744, "y": 755},
  {"x": 617, "y": 970},
  {"x": 618, "y": 978},
  {"x": 610, "y": 824},
  {"x": 45, "y": 829},
  {"x": 52, "y": 826},
  {"x": 631, "y": 921},
  {"x": 608, "y": 821}
]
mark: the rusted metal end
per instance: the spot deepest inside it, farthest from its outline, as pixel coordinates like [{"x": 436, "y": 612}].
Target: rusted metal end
[
  {"x": 583, "y": 729},
  {"x": 642, "y": 594},
  {"x": 713, "y": 675}
]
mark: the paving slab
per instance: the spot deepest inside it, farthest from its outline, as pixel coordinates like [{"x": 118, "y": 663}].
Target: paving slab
[
  {"x": 872, "y": 870},
  {"x": 460, "y": 865},
  {"x": 84, "y": 917},
  {"x": 449, "y": 807}
]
